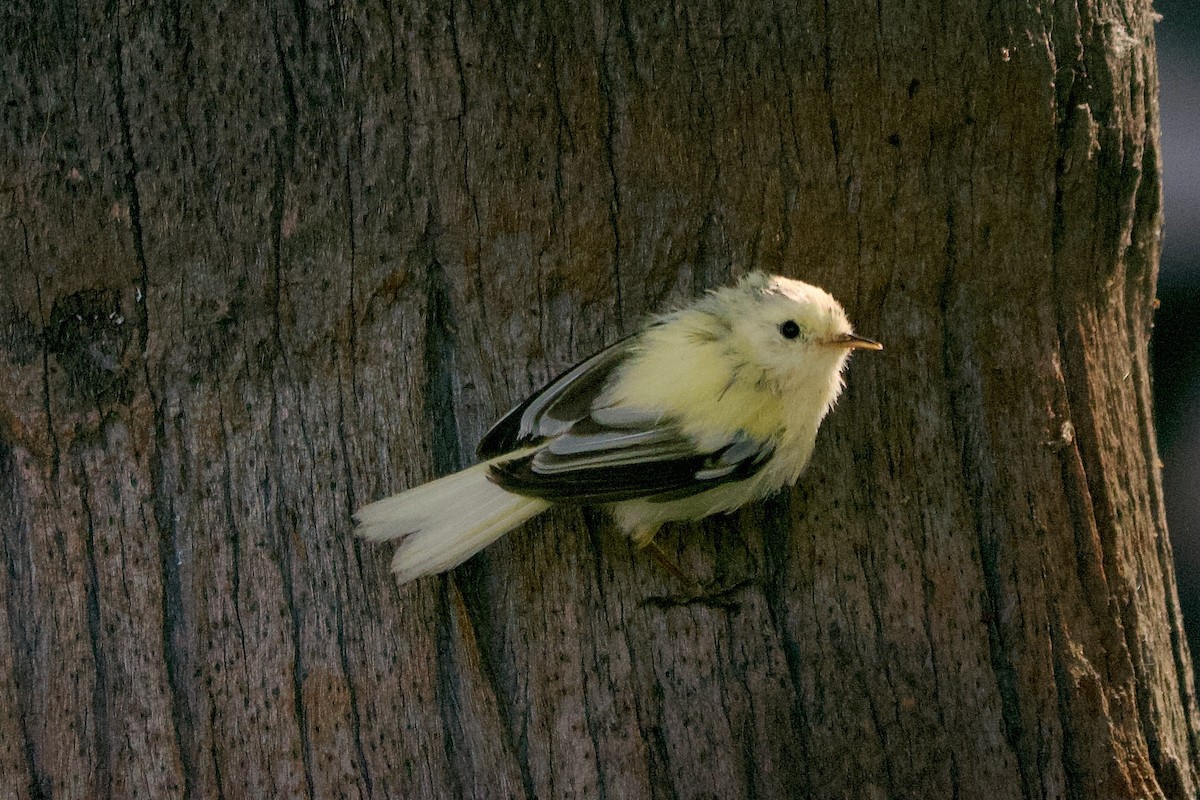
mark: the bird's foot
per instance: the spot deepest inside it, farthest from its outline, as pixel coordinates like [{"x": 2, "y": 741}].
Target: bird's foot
[
  {"x": 718, "y": 592},
  {"x": 712, "y": 594}
]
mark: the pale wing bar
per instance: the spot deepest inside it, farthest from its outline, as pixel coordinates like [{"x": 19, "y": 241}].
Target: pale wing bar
[{"x": 659, "y": 464}]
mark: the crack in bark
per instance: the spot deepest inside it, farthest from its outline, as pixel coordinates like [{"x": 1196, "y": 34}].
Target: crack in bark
[
  {"x": 55, "y": 451},
  {"x": 963, "y": 395},
  {"x": 927, "y": 625},
  {"x": 285, "y": 155},
  {"x": 214, "y": 754},
  {"x": 610, "y": 154},
  {"x": 1072, "y": 772},
  {"x": 835, "y": 137},
  {"x": 626, "y": 29},
  {"x": 235, "y": 560},
  {"x": 750, "y": 765},
  {"x": 440, "y": 407},
  {"x": 777, "y": 538},
  {"x": 521, "y": 750},
  {"x": 476, "y": 615},
  {"x": 286, "y": 563},
  {"x": 590, "y": 724},
  {"x": 439, "y": 362},
  {"x": 352, "y": 326},
  {"x": 360, "y": 754},
  {"x": 786, "y": 170},
  {"x": 16, "y": 550},
  {"x": 660, "y": 760},
  {"x": 343, "y": 435},
  {"x": 174, "y": 657},
  {"x": 881, "y": 649},
  {"x": 709, "y": 221},
  {"x": 103, "y": 763},
  {"x": 743, "y": 739},
  {"x": 446, "y": 691},
  {"x": 131, "y": 176},
  {"x": 472, "y": 198},
  {"x": 172, "y": 637},
  {"x": 593, "y": 520},
  {"x": 234, "y": 534},
  {"x": 562, "y": 124},
  {"x": 284, "y": 162},
  {"x": 339, "y": 615}
]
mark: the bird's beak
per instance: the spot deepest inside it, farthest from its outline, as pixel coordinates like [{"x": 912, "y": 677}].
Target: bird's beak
[{"x": 850, "y": 341}]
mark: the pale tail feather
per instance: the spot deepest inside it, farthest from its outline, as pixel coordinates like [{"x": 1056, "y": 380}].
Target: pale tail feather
[{"x": 445, "y": 522}]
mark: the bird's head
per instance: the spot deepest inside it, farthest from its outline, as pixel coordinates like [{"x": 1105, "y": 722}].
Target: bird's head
[{"x": 796, "y": 333}]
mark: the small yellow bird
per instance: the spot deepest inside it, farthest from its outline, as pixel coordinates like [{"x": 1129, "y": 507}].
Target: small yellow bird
[{"x": 703, "y": 410}]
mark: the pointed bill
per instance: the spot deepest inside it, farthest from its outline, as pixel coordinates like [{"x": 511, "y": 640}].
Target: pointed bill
[{"x": 849, "y": 340}]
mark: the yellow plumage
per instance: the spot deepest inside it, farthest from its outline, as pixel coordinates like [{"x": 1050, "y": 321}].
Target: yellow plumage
[{"x": 705, "y": 409}]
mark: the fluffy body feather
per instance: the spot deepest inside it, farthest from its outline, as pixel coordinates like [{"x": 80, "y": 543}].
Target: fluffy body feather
[{"x": 705, "y": 409}]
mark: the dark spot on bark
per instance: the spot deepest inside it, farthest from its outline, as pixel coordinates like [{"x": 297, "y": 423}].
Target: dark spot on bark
[
  {"x": 914, "y": 86},
  {"x": 894, "y": 140},
  {"x": 88, "y": 334}
]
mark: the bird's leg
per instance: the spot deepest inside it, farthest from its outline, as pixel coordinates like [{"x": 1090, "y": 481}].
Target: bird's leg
[
  {"x": 643, "y": 538},
  {"x": 670, "y": 566},
  {"x": 697, "y": 592}
]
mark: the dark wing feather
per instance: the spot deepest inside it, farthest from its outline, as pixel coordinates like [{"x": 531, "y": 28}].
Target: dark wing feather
[
  {"x": 596, "y": 454},
  {"x": 594, "y": 463},
  {"x": 556, "y": 406}
]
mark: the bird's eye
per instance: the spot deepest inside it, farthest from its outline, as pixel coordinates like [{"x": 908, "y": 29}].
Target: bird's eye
[{"x": 789, "y": 329}]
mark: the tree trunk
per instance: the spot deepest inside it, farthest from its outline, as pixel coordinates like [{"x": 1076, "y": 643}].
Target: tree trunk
[{"x": 263, "y": 265}]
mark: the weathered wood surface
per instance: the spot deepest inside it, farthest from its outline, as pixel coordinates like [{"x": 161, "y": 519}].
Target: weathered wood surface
[{"x": 263, "y": 264}]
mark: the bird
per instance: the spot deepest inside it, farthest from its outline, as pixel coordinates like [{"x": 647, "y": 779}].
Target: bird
[{"x": 706, "y": 408}]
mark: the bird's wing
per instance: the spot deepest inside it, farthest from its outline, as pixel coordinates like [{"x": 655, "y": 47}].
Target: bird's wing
[
  {"x": 602, "y": 454},
  {"x": 555, "y": 407},
  {"x": 616, "y": 454}
]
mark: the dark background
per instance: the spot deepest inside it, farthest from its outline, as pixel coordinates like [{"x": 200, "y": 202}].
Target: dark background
[{"x": 1176, "y": 342}]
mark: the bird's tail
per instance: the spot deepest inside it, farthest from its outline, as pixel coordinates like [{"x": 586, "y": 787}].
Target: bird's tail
[{"x": 445, "y": 522}]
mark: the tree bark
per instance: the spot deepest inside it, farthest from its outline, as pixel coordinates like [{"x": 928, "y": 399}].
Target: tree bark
[{"x": 264, "y": 264}]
